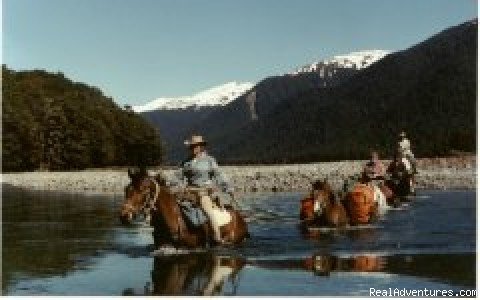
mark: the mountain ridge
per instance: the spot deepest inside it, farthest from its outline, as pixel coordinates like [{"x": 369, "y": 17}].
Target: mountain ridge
[
  {"x": 428, "y": 89},
  {"x": 215, "y": 96},
  {"x": 259, "y": 100}
]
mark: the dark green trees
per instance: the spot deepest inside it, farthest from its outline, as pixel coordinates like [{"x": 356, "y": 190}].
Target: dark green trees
[{"x": 52, "y": 123}]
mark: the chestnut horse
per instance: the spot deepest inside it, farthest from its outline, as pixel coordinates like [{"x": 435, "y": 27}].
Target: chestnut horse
[
  {"x": 150, "y": 196},
  {"x": 326, "y": 210},
  {"x": 361, "y": 205}
]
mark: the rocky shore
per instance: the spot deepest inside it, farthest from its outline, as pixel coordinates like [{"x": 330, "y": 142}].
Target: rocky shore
[{"x": 433, "y": 173}]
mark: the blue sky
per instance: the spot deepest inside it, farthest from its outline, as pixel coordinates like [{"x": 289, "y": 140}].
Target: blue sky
[{"x": 138, "y": 50}]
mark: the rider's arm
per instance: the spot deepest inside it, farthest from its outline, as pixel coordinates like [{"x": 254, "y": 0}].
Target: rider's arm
[{"x": 219, "y": 176}]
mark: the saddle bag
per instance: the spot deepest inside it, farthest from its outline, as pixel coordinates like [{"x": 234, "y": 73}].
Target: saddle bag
[
  {"x": 192, "y": 213},
  {"x": 360, "y": 204}
]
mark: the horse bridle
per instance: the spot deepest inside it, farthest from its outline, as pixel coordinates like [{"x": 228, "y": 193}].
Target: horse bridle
[{"x": 149, "y": 201}]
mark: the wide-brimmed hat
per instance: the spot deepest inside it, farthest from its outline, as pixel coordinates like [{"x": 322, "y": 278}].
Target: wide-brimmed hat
[{"x": 195, "y": 140}]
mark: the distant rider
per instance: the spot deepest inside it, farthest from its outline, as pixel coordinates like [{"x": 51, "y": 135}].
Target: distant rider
[
  {"x": 374, "y": 168},
  {"x": 201, "y": 170},
  {"x": 397, "y": 169},
  {"x": 404, "y": 148}
]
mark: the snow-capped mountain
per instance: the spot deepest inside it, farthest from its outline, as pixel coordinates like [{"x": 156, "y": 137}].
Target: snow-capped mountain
[
  {"x": 226, "y": 93},
  {"x": 356, "y": 60},
  {"x": 216, "y": 96}
]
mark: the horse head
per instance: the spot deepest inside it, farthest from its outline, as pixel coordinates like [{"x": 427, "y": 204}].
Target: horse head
[
  {"x": 140, "y": 195},
  {"x": 323, "y": 195}
]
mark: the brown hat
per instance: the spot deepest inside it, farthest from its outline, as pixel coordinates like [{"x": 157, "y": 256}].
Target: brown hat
[{"x": 195, "y": 140}]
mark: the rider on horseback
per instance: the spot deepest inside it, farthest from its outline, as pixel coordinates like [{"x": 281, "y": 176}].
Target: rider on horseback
[
  {"x": 405, "y": 150},
  {"x": 374, "y": 168},
  {"x": 201, "y": 170},
  {"x": 374, "y": 175},
  {"x": 397, "y": 168}
]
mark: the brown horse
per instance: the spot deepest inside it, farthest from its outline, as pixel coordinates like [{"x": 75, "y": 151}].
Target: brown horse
[
  {"x": 151, "y": 196},
  {"x": 360, "y": 204},
  {"x": 401, "y": 179},
  {"x": 325, "y": 209}
]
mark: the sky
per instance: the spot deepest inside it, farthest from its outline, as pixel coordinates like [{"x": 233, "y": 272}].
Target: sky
[{"x": 139, "y": 50}]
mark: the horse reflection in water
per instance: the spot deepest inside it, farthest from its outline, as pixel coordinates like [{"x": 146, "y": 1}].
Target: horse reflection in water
[
  {"x": 324, "y": 264},
  {"x": 208, "y": 274},
  {"x": 192, "y": 275}
]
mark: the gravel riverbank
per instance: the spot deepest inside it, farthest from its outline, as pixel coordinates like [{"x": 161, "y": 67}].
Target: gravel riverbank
[{"x": 434, "y": 173}]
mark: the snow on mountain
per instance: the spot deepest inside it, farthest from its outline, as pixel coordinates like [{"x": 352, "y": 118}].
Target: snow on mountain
[
  {"x": 224, "y": 94},
  {"x": 216, "y": 96},
  {"x": 358, "y": 60}
]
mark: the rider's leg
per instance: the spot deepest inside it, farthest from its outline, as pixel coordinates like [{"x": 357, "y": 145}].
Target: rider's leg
[
  {"x": 208, "y": 207},
  {"x": 413, "y": 161}
]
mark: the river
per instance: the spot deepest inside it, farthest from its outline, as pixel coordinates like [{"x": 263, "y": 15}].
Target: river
[{"x": 73, "y": 244}]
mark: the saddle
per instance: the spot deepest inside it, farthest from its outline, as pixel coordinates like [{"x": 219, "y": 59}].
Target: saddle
[
  {"x": 360, "y": 203},
  {"x": 188, "y": 201},
  {"x": 192, "y": 213}
]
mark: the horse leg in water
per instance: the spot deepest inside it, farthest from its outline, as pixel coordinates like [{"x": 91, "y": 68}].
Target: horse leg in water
[
  {"x": 374, "y": 214},
  {"x": 336, "y": 216}
]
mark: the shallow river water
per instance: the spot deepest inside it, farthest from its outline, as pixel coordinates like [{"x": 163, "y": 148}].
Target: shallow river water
[{"x": 64, "y": 244}]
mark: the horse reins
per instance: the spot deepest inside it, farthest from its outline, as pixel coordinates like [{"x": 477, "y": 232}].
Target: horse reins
[{"x": 149, "y": 204}]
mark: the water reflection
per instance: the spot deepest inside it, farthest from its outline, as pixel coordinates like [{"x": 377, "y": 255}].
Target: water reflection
[
  {"x": 210, "y": 274},
  {"x": 51, "y": 233},
  {"x": 322, "y": 265},
  {"x": 192, "y": 275},
  {"x": 437, "y": 267},
  {"x": 49, "y": 240}
]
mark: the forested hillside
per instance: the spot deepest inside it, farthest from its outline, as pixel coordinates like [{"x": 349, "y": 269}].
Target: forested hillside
[{"x": 52, "y": 123}]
